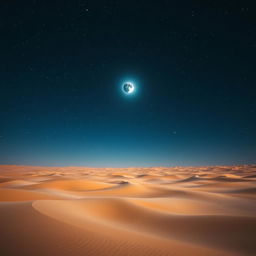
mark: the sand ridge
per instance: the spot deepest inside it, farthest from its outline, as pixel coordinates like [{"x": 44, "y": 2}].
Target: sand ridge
[{"x": 128, "y": 211}]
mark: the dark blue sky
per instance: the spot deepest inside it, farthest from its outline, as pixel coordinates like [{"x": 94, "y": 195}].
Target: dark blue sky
[{"x": 62, "y": 65}]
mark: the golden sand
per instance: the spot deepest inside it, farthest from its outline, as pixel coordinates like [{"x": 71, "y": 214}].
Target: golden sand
[{"x": 177, "y": 211}]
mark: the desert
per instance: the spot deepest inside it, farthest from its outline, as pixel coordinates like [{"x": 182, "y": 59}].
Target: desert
[{"x": 128, "y": 211}]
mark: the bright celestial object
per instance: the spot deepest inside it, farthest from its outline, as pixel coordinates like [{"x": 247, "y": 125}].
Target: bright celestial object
[{"x": 128, "y": 87}]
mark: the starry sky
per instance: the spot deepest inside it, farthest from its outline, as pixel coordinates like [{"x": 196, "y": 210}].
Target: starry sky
[{"x": 63, "y": 64}]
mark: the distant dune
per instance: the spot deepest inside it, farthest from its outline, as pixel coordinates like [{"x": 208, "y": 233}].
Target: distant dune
[{"x": 179, "y": 211}]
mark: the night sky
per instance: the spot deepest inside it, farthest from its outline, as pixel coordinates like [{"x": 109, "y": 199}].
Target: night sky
[{"x": 63, "y": 64}]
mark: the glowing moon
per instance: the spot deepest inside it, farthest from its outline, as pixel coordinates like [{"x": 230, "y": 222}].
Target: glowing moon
[{"x": 128, "y": 87}]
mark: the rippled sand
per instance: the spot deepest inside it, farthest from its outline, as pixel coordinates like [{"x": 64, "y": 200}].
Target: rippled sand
[{"x": 134, "y": 211}]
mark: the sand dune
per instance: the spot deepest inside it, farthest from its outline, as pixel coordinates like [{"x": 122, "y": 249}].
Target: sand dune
[{"x": 130, "y": 211}]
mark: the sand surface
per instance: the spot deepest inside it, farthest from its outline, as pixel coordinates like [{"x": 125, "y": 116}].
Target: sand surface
[{"x": 134, "y": 211}]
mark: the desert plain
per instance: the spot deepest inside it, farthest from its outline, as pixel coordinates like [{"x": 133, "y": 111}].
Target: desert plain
[{"x": 64, "y": 211}]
